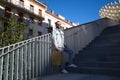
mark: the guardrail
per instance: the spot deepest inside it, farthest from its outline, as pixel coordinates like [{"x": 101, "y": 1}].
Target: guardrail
[{"x": 27, "y": 59}]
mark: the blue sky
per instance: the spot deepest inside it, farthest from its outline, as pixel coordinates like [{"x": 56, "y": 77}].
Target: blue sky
[{"x": 81, "y": 11}]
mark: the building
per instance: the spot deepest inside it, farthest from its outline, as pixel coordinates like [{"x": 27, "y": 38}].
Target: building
[
  {"x": 111, "y": 10},
  {"x": 39, "y": 20}
]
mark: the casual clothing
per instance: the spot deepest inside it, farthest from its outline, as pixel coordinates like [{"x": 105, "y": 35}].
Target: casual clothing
[{"x": 58, "y": 39}]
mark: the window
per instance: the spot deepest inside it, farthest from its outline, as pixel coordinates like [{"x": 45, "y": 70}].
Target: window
[
  {"x": 40, "y": 22},
  {"x": 20, "y": 18},
  {"x": 39, "y": 33},
  {"x": 31, "y": 8},
  {"x": 7, "y": 12},
  {"x": 31, "y": 19},
  {"x": 49, "y": 22},
  {"x": 21, "y": 2},
  {"x": 40, "y": 12},
  {"x": 30, "y": 32},
  {"x": 50, "y": 29}
]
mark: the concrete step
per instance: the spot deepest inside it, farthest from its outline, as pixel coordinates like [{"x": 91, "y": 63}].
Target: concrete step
[
  {"x": 77, "y": 76},
  {"x": 106, "y": 41},
  {"x": 100, "y": 52},
  {"x": 96, "y": 70},
  {"x": 97, "y": 59},
  {"x": 99, "y": 64},
  {"x": 103, "y": 45},
  {"x": 102, "y": 55},
  {"x": 117, "y": 47}
]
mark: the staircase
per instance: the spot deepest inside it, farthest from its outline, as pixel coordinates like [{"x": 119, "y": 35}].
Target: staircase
[{"x": 102, "y": 55}]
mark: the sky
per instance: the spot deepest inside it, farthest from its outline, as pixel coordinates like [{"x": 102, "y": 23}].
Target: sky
[{"x": 78, "y": 11}]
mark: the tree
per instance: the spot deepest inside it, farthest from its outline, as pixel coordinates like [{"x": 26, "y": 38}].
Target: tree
[{"x": 11, "y": 33}]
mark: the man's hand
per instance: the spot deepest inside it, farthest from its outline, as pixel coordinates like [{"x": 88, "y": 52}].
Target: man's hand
[{"x": 56, "y": 48}]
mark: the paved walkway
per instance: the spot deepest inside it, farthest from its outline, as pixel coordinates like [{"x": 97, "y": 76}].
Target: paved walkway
[{"x": 71, "y": 76}]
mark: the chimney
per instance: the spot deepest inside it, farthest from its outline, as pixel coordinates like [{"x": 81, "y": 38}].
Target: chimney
[{"x": 52, "y": 11}]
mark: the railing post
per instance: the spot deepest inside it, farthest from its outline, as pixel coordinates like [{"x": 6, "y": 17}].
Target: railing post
[
  {"x": 29, "y": 59},
  {"x": 1, "y": 64},
  {"x": 17, "y": 52},
  {"x": 6, "y": 63},
  {"x": 36, "y": 57},
  {"x": 12, "y": 63},
  {"x": 21, "y": 63},
  {"x": 32, "y": 58},
  {"x": 25, "y": 61}
]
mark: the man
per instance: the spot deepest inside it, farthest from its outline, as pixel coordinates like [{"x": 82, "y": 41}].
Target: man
[{"x": 58, "y": 39}]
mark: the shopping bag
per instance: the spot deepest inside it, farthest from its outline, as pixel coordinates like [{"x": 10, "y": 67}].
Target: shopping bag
[{"x": 56, "y": 58}]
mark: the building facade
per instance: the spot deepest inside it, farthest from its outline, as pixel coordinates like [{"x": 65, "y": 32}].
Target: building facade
[
  {"x": 35, "y": 14},
  {"x": 111, "y": 10}
]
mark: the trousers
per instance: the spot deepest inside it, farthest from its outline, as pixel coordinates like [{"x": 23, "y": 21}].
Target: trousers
[{"x": 70, "y": 54}]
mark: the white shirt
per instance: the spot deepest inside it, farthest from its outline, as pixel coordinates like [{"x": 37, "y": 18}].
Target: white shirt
[{"x": 58, "y": 38}]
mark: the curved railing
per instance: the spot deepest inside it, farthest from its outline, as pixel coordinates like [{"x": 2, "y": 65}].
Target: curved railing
[{"x": 26, "y": 59}]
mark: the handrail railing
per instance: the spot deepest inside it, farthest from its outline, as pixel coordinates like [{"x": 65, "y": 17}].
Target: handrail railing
[{"x": 26, "y": 59}]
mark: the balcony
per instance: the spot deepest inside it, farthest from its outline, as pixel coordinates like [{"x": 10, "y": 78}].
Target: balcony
[{"x": 21, "y": 8}]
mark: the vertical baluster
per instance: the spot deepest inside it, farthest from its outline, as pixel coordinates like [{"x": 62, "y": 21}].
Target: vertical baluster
[
  {"x": 12, "y": 63},
  {"x": 17, "y": 52},
  {"x": 32, "y": 58},
  {"x": 25, "y": 61},
  {"x": 21, "y": 63},
  {"x": 36, "y": 56},
  {"x": 1, "y": 64},
  {"x": 40, "y": 56},
  {"x": 48, "y": 55},
  {"x": 29, "y": 60},
  {"x": 6, "y": 63},
  {"x": 44, "y": 49},
  {"x": 50, "y": 51},
  {"x": 45, "y": 57}
]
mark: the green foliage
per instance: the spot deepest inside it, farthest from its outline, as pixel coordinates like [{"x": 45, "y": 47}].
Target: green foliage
[{"x": 12, "y": 33}]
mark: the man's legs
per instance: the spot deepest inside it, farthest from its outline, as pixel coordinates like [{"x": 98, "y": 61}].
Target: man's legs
[{"x": 70, "y": 53}]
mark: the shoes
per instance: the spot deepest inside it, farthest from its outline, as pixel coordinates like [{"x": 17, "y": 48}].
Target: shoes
[
  {"x": 64, "y": 71},
  {"x": 72, "y": 65}
]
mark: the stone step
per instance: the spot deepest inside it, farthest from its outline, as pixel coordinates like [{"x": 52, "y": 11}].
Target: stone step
[
  {"x": 98, "y": 59},
  {"x": 102, "y": 55},
  {"x": 95, "y": 70},
  {"x": 100, "y": 51},
  {"x": 106, "y": 41},
  {"x": 112, "y": 48},
  {"x": 100, "y": 64},
  {"x": 103, "y": 45}
]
